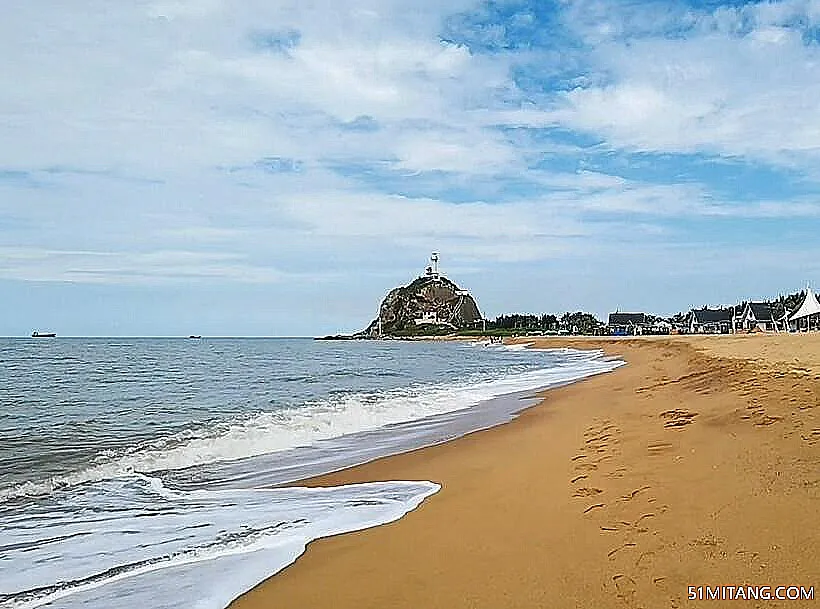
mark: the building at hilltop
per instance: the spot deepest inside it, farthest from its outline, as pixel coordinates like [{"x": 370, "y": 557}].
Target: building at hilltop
[{"x": 430, "y": 304}]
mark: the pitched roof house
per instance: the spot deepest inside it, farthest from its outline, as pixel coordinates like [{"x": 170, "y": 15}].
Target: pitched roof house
[
  {"x": 621, "y": 324},
  {"x": 712, "y": 321},
  {"x": 761, "y": 316}
]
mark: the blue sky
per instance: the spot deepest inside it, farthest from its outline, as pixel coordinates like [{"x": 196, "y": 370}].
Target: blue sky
[{"x": 262, "y": 167}]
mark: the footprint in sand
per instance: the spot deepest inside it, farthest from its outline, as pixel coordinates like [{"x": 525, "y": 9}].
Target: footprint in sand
[
  {"x": 644, "y": 559},
  {"x": 659, "y": 448},
  {"x": 587, "y": 492},
  {"x": 710, "y": 545},
  {"x": 748, "y": 555},
  {"x": 768, "y": 420},
  {"x": 624, "y": 525},
  {"x": 626, "y": 588},
  {"x": 624, "y": 546},
  {"x": 638, "y": 526},
  {"x": 631, "y": 496},
  {"x": 677, "y": 417},
  {"x": 811, "y": 438}
]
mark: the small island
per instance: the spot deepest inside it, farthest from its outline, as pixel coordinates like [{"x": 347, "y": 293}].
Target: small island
[{"x": 430, "y": 305}]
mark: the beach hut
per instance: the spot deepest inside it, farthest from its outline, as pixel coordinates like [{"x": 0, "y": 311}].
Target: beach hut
[
  {"x": 712, "y": 321},
  {"x": 807, "y": 315},
  {"x": 623, "y": 324},
  {"x": 760, "y": 316}
]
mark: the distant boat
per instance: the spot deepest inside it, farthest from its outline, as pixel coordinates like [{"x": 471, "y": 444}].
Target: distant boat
[
  {"x": 194, "y": 336},
  {"x": 37, "y": 334}
]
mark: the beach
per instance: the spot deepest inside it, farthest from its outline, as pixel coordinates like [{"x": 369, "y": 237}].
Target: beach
[
  {"x": 171, "y": 482},
  {"x": 696, "y": 464}
]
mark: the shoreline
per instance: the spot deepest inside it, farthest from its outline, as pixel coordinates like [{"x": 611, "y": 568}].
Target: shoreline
[{"x": 692, "y": 465}]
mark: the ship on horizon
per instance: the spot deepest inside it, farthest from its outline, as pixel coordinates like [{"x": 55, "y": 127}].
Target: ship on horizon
[{"x": 37, "y": 334}]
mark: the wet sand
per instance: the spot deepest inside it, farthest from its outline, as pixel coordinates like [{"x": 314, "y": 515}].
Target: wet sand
[{"x": 696, "y": 464}]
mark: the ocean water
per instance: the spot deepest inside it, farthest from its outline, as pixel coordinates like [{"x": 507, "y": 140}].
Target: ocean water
[{"x": 148, "y": 472}]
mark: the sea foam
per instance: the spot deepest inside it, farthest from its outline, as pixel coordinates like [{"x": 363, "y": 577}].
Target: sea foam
[{"x": 160, "y": 548}]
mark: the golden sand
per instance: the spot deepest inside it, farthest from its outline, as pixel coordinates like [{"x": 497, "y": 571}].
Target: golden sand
[{"x": 696, "y": 464}]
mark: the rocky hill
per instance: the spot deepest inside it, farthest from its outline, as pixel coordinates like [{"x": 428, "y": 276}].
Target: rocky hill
[{"x": 429, "y": 304}]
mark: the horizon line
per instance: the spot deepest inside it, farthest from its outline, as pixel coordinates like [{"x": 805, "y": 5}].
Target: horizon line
[{"x": 167, "y": 336}]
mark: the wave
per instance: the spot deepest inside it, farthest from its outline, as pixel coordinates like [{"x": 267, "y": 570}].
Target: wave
[
  {"x": 340, "y": 415},
  {"x": 133, "y": 538}
]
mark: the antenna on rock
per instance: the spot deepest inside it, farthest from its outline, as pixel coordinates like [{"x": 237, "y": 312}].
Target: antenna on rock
[{"x": 434, "y": 260}]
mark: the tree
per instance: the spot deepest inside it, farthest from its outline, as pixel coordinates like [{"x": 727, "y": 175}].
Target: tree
[
  {"x": 525, "y": 322},
  {"x": 581, "y": 323}
]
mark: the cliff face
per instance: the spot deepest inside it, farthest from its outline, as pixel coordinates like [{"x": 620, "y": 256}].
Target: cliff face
[{"x": 428, "y": 301}]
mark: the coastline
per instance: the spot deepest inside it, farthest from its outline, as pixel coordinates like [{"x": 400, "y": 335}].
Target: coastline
[{"x": 693, "y": 465}]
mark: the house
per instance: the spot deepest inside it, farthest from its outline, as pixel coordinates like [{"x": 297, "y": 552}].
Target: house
[
  {"x": 661, "y": 326},
  {"x": 760, "y": 316},
  {"x": 712, "y": 321},
  {"x": 625, "y": 324},
  {"x": 427, "y": 317}
]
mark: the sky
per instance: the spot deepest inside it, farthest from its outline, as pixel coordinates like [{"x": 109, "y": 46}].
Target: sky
[{"x": 271, "y": 167}]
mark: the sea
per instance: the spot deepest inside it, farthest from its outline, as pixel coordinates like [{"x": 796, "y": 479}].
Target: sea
[{"x": 159, "y": 473}]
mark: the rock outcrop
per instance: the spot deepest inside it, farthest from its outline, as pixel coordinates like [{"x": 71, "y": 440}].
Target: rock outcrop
[{"x": 430, "y": 304}]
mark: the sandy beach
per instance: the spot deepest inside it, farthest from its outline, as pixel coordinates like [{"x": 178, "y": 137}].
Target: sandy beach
[{"x": 696, "y": 464}]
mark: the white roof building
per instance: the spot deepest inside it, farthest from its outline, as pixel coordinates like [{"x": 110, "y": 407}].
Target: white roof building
[{"x": 809, "y": 307}]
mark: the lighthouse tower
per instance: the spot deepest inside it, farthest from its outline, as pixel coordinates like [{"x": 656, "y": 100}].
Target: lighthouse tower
[{"x": 432, "y": 270}]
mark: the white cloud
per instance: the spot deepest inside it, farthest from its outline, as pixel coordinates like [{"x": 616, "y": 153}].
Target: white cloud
[
  {"x": 718, "y": 89},
  {"x": 159, "y": 88},
  {"x": 180, "y": 86},
  {"x": 174, "y": 9},
  {"x": 473, "y": 152},
  {"x": 36, "y": 264},
  {"x": 139, "y": 129},
  {"x": 201, "y": 233}
]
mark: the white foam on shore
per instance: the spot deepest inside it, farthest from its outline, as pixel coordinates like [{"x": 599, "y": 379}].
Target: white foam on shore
[
  {"x": 115, "y": 531},
  {"x": 343, "y": 415},
  {"x": 134, "y": 539}
]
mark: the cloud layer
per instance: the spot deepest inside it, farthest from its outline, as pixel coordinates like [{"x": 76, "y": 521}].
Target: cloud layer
[{"x": 157, "y": 143}]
